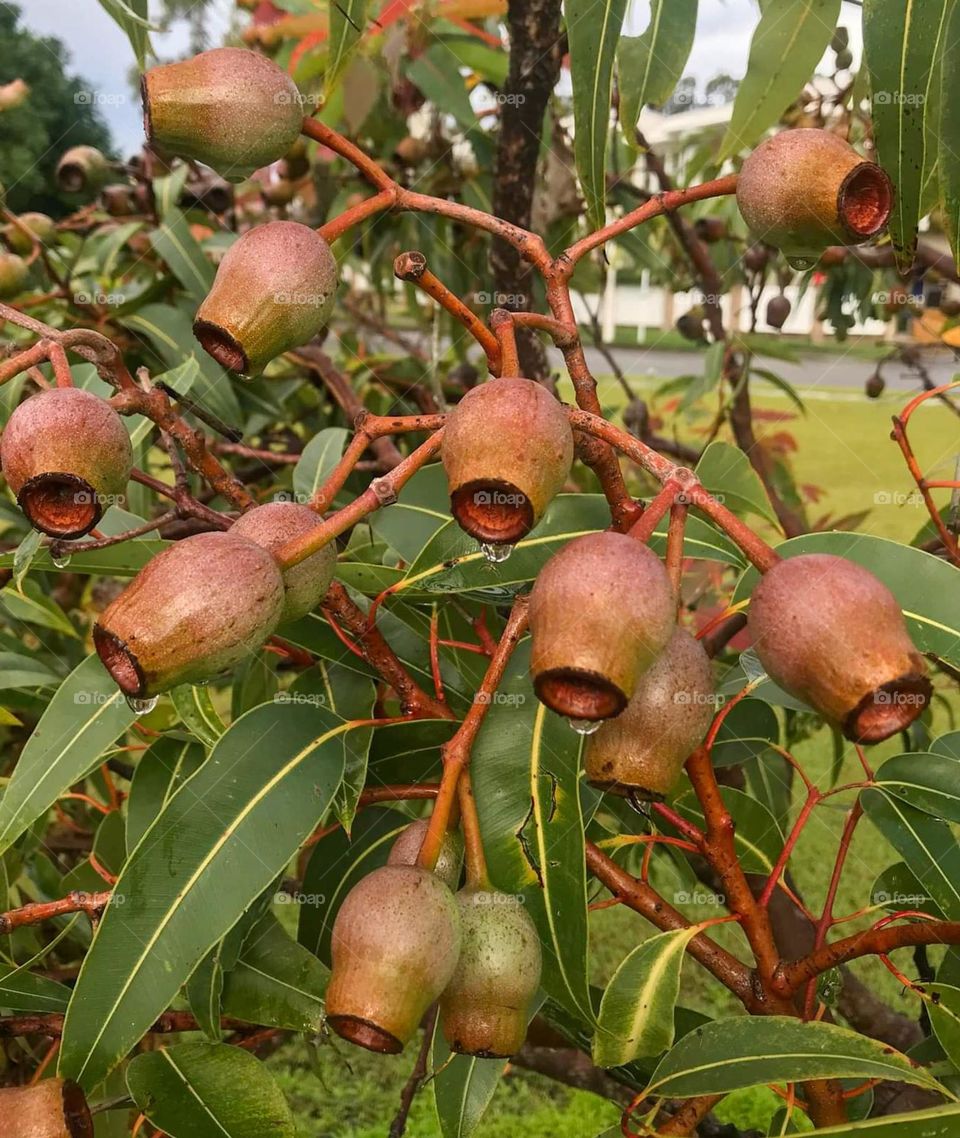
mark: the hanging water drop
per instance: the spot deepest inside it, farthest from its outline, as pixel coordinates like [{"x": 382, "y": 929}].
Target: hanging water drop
[
  {"x": 60, "y": 560},
  {"x": 585, "y": 726},
  {"x": 142, "y": 706},
  {"x": 496, "y": 554},
  {"x": 801, "y": 264}
]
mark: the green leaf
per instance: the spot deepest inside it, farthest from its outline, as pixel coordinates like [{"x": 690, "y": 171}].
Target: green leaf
[
  {"x": 726, "y": 472},
  {"x": 23, "y": 991},
  {"x": 347, "y": 20},
  {"x": 175, "y": 244},
  {"x": 276, "y": 981},
  {"x": 125, "y": 560},
  {"x": 650, "y": 65},
  {"x": 195, "y": 707},
  {"x": 24, "y": 555},
  {"x": 131, "y": 15},
  {"x": 942, "y": 1002},
  {"x": 746, "y": 732},
  {"x": 337, "y": 863},
  {"x": 320, "y": 456},
  {"x": 900, "y": 44},
  {"x": 18, "y": 671},
  {"x": 925, "y": 586},
  {"x": 527, "y": 785},
  {"x": 452, "y": 563},
  {"x": 209, "y": 1090},
  {"x": 462, "y": 1088},
  {"x": 204, "y": 991},
  {"x": 437, "y": 74},
  {"x": 218, "y": 843},
  {"x": 86, "y": 715},
  {"x": 424, "y": 508},
  {"x": 786, "y": 48},
  {"x": 948, "y": 745},
  {"x": 746, "y": 1051},
  {"x": 758, "y": 839},
  {"x": 929, "y": 782},
  {"x": 636, "y": 1013},
  {"x": 949, "y": 128},
  {"x": 163, "y": 769},
  {"x": 925, "y": 844},
  {"x": 939, "y": 1122},
  {"x": 593, "y": 29},
  {"x": 32, "y": 606}
]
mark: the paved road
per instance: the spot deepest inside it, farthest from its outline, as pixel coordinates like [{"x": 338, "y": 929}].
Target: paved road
[{"x": 816, "y": 370}]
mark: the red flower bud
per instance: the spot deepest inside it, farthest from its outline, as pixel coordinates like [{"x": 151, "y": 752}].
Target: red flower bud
[
  {"x": 395, "y": 944},
  {"x": 195, "y": 610},
  {"x": 827, "y": 631},
  {"x": 644, "y": 749},
  {"x": 65, "y": 453},
  {"x": 406, "y": 849},
  {"x": 273, "y": 291},
  {"x": 601, "y": 611},
  {"x": 507, "y": 450},
  {"x": 54, "y": 1108},
  {"x": 272, "y": 525},
  {"x": 486, "y": 1006},
  {"x": 802, "y": 190},
  {"x": 233, "y": 109}
]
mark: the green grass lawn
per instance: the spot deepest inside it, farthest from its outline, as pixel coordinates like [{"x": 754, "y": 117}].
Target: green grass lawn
[{"x": 842, "y": 447}]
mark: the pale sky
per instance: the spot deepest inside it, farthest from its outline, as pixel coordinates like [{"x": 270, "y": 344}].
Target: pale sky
[{"x": 101, "y": 55}]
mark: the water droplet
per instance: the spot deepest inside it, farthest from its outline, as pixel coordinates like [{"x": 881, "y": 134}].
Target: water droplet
[
  {"x": 585, "y": 726},
  {"x": 495, "y": 554},
  {"x": 60, "y": 560},
  {"x": 801, "y": 264},
  {"x": 142, "y": 706}
]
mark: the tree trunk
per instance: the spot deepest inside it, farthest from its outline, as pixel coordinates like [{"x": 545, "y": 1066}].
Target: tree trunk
[{"x": 535, "y": 55}]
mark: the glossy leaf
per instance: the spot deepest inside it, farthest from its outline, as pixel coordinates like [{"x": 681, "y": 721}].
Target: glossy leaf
[
  {"x": 163, "y": 768},
  {"x": 347, "y": 21},
  {"x": 926, "y": 844},
  {"x": 949, "y": 128},
  {"x": 726, "y": 472},
  {"x": 204, "y": 992},
  {"x": 746, "y": 732},
  {"x": 650, "y": 65},
  {"x": 197, "y": 713},
  {"x": 901, "y": 42},
  {"x": 319, "y": 457},
  {"x": 131, "y": 16},
  {"x": 786, "y": 48},
  {"x": 125, "y": 560},
  {"x": 929, "y": 782},
  {"x": 31, "y": 605},
  {"x": 175, "y": 244},
  {"x": 23, "y": 991},
  {"x": 276, "y": 981},
  {"x": 219, "y": 842},
  {"x": 423, "y": 508},
  {"x": 462, "y": 1088},
  {"x": 526, "y": 781},
  {"x": 939, "y": 1122},
  {"x": 593, "y": 30},
  {"x": 636, "y": 1013},
  {"x": 925, "y": 586},
  {"x": 209, "y": 1090},
  {"x": 85, "y": 716},
  {"x": 746, "y": 1051}
]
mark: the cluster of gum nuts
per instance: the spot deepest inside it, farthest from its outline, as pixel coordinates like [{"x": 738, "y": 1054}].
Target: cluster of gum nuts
[{"x": 606, "y": 652}]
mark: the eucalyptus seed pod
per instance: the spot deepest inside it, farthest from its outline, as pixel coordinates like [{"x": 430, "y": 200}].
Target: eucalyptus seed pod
[
  {"x": 643, "y": 750},
  {"x": 690, "y": 324},
  {"x": 119, "y": 200},
  {"x": 601, "y": 611},
  {"x": 874, "y": 385},
  {"x": 507, "y": 451},
  {"x": 406, "y": 849},
  {"x": 828, "y": 632},
  {"x": 40, "y": 225},
  {"x": 485, "y": 1008},
  {"x": 802, "y": 190},
  {"x": 53, "y": 1108},
  {"x": 395, "y": 944},
  {"x": 710, "y": 229},
  {"x": 82, "y": 170},
  {"x": 13, "y": 275},
  {"x": 66, "y": 455},
  {"x": 306, "y": 583},
  {"x": 778, "y": 309},
  {"x": 280, "y": 193},
  {"x": 756, "y": 257},
  {"x": 273, "y": 291},
  {"x": 230, "y": 108},
  {"x": 197, "y": 609}
]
